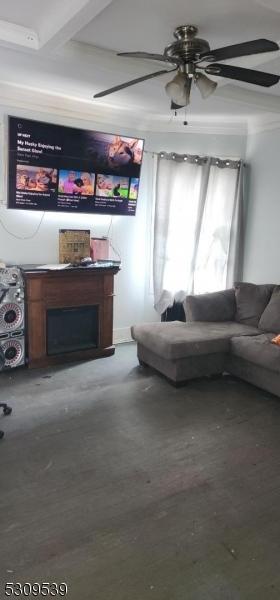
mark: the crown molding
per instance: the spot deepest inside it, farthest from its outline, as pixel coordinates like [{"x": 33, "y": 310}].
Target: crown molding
[
  {"x": 257, "y": 125},
  {"x": 14, "y": 96}
]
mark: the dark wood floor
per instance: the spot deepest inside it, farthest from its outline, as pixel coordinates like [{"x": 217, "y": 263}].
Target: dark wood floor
[{"x": 129, "y": 489}]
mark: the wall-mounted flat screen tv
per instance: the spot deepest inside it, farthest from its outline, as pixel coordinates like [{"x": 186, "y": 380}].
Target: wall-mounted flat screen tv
[{"x": 57, "y": 168}]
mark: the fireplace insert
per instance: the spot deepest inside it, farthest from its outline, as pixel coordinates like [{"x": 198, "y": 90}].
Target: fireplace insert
[{"x": 72, "y": 328}]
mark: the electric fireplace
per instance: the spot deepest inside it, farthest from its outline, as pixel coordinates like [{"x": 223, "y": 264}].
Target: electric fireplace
[{"x": 69, "y": 314}]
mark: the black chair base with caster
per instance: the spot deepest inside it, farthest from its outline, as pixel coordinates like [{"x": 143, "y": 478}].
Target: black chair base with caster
[{"x": 6, "y": 411}]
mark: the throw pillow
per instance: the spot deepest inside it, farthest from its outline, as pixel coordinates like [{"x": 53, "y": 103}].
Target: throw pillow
[
  {"x": 251, "y": 300},
  {"x": 270, "y": 319},
  {"x": 215, "y": 306}
]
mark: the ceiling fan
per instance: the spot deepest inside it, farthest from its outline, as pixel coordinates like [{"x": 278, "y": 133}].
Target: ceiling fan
[{"x": 189, "y": 53}]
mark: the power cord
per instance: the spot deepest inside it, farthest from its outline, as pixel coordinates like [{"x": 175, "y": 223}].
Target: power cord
[
  {"x": 26, "y": 237},
  {"x": 110, "y": 241},
  {"x": 109, "y": 228},
  {"x": 114, "y": 249}
]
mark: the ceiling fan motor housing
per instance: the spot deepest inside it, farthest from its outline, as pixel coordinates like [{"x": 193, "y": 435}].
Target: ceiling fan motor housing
[{"x": 187, "y": 46}]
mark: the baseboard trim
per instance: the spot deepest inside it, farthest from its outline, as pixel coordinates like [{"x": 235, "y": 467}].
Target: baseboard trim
[{"x": 120, "y": 336}]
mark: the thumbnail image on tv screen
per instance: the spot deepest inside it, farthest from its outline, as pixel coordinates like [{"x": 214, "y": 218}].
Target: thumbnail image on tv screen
[{"x": 57, "y": 168}]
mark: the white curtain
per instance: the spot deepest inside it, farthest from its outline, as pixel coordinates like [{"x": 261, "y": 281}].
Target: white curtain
[{"x": 197, "y": 228}]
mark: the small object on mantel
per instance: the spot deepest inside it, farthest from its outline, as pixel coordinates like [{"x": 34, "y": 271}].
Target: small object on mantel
[
  {"x": 2, "y": 264},
  {"x": 99, "y": 248},
  {"x": 85, "y": 261},
  {"x": 53, "y": 267},
  {"x": 106, "y": 264}
]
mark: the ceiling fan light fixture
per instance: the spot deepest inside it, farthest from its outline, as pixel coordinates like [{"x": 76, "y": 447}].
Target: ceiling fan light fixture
[
  {"x": 179, "y": 89},
  {"x": 205, "y": 85},
  {"x": 174, "y": 87}
]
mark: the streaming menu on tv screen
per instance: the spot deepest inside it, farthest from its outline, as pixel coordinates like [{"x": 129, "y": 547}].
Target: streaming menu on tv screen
[{"x": 57, "y": 168}]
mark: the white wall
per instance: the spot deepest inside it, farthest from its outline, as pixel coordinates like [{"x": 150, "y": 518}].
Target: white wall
[
  {"x": 261, "y": 261},
  {"x": 197, "y": 143},
  {"x": 131, "y": 236}
]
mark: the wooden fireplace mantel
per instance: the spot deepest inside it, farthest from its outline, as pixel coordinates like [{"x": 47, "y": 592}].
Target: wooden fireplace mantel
[{"x": 67, "y": 288}]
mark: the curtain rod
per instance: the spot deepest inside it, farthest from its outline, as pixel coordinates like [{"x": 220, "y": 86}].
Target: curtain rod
[{"x": 197, "y": 158}]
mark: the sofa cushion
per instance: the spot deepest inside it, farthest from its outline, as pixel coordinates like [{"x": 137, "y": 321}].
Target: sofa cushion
[
  {"x": 251, "y": 301},
  {"x": 175, "y": 339},
  {"x": 257, "y": 350},
  {"x": 216, "y": 306},
  {"x": 270, "y": 319}
]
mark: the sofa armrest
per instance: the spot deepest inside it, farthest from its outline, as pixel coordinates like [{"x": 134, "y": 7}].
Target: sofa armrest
[{"x": 216, "y": 306}]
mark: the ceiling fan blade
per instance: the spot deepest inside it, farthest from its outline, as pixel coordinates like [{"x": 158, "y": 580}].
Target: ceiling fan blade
[
  {"x": 116, "y": 88},
  {"x": 247, "y": 75},
  {"x": 161, "y": 57},
  {"x": 245, "y": 49}
]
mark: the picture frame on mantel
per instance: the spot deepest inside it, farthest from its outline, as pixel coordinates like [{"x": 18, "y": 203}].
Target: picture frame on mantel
[{"x": 74, "y": 244}]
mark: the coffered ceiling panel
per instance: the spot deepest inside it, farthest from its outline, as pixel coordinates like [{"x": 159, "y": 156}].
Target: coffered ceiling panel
[
  {"x": 28, "y": 13},
  {"x": 148, "y": 24}
]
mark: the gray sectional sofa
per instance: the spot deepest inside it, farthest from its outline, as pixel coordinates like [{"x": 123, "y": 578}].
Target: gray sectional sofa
[{"x": 228, "y": 331}]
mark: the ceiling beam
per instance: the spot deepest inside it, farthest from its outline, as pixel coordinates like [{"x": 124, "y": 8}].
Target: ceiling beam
[
  {"x": 67, "y": 20},
  {"x": 12, "y": 35}
]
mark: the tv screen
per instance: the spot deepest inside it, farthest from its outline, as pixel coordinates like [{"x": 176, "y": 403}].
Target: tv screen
[{"x": 57, "y": 168}]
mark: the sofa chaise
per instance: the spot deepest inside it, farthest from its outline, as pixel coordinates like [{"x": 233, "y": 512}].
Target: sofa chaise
[{"x": 228, "y": 331}]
